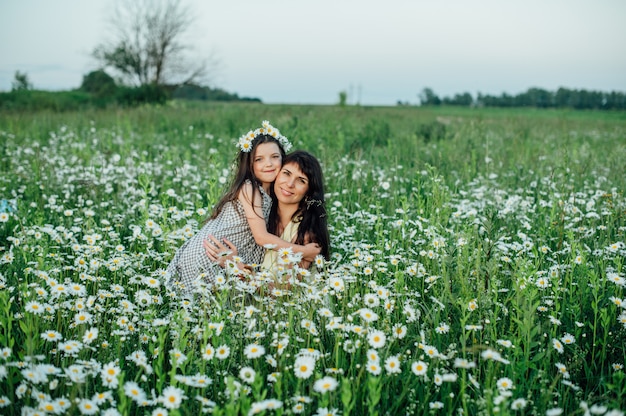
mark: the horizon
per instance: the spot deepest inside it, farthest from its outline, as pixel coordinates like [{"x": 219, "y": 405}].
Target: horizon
[{"x": 440, "y": 96}]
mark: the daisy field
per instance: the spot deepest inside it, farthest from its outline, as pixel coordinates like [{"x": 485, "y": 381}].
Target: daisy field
[{"x": 477, "y": 266}]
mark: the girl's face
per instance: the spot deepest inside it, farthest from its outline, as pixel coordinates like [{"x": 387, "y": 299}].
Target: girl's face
[
  {"x": 291, "y": 184},
  {"x": 266, "y": 162}
]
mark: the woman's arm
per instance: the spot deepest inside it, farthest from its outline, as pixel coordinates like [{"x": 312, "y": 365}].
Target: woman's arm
[
  {"x": 262, "y": 237},
  {"x": 304, "y": 263},
  {"x": 220, "y": 251}
]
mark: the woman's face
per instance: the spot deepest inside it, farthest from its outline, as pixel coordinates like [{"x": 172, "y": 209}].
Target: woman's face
[
  {"x": 291, "y": 184},
  {"x": 266, "y": 162}
]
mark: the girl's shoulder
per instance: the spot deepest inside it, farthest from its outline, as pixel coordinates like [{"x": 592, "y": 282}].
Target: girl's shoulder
[
  {"x": 248, "y": 189},
  {"x": 249, "y": 194}
]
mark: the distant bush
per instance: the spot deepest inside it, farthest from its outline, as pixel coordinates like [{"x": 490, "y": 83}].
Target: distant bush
[
  {"x": 156, "y": 94},
  {"x": 203, "y": 93},
  {"x": 32, "y": 100},
  {"x": 99, "y": 90}
]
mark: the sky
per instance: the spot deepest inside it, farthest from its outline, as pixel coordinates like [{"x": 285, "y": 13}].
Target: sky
[{"x": 378, "y": 51}]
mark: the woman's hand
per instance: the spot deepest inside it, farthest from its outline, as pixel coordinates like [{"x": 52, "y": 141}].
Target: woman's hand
[
  {"x": 219, "y": 252},
  {"x": 311, "y": 250}
]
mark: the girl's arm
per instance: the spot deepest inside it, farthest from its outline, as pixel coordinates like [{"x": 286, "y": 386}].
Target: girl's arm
[
  {"x": 256, "y": 221},
  {"x": 219, "y": 253}
]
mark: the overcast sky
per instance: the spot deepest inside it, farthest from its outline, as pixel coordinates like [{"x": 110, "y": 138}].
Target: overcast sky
[{"x": 297, "y": 51}]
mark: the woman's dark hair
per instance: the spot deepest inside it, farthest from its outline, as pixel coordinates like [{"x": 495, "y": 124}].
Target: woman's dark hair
[
  {"x": 312, "y": 209},
  {"x": 245, "y": 172}
]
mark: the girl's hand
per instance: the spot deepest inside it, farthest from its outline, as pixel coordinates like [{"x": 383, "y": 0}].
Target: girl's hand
[{"x": 219, "y": 252}]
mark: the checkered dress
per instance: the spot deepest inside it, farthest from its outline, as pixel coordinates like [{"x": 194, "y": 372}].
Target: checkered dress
[{"x": 191, "y": 261}]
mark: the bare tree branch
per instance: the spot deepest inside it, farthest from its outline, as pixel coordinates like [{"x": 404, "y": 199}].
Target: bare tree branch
[{"x": 148, "y": 44}]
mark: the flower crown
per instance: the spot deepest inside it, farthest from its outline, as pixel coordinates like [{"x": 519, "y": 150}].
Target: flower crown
[{"x": 245, "y": 141}]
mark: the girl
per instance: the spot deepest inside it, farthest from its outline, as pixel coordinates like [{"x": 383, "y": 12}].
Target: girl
[
  {"x": 241, "y": 214},
  {"x": 298, "y": 216}
]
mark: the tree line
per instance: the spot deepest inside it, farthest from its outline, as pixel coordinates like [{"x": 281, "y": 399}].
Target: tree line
[
  {"x": 101, "y": 90},
  {"x": 533, "y": 97}
]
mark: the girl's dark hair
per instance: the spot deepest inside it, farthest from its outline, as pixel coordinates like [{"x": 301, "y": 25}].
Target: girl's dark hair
[
  {"x": 245, "y": 171},
  {"x": 312, "y": 209}
]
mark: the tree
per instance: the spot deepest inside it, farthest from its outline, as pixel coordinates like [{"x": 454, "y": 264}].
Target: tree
[
  {"x": 343, "y": 98},
  {"x": 148, "y": 44},
  {"x": 563, "y": 97},
  {"x": 99, "y": 83},
  {"x": 428, "y": 97},
  {"x": 21, "y": 82},
  {"x": 464, "y": 99}
]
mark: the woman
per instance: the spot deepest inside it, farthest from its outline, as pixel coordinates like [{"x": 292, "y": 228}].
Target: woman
[{"x": 298, "y": 214}]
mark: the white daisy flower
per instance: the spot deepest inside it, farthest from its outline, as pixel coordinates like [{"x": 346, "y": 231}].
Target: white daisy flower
[
  {"x": 87, "y": 407},
  {"x": 172, "y": 397},
  {"x": 399, "y": 331},
  {"x": 222, "y": 352},
  {"x": 519, "y": 404},
  {"x": 368, "y": 315},
  {"x": 392, "y": 365},
  {"x": 325, "y": 384},
  {"x": 247, "y": 374},
  {"x": 208, "y": 352},
  {"x": 568, "y": 339},
  {"x": 132, "y": 390},
  {"x": 376, "y": 339},
  {"x": 90, "y": 335},
  {"x": 373, "y": 367},
  {"x": 504, "y": 383},
  {"x": 430, "y": 351},
  {"x": 419, "y": 368},
  {"x": 304, "y": 366},
  {"x": 51, "y": 336},
  {"x": 34, "y": 307},
  {"x": 254, "y": 351}
]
